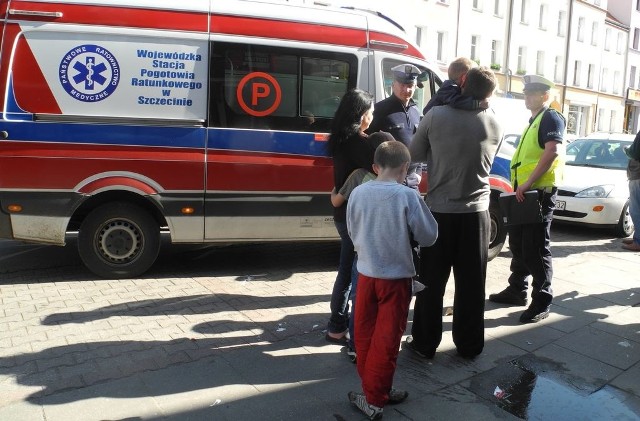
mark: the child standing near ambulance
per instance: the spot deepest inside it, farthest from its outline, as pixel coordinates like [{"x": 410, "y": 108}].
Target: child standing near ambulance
[{"x": 382, "y": 215}]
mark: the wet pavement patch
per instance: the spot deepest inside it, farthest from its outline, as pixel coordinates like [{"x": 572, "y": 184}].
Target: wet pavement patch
[{"x": 535, "y": 390}]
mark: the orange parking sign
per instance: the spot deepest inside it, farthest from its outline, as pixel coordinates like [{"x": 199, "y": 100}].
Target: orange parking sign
[{"x": 262, "y": 95}]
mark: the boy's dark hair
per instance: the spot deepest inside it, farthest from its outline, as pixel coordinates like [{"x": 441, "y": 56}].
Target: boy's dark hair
[
  {"x": 377, "y": 138},
  {"x": 391, "y": 154},
  {"x": 480, "y": 83}
]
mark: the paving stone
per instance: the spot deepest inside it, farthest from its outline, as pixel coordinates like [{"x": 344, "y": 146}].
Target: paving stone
[{"x": 602, "y": 346}]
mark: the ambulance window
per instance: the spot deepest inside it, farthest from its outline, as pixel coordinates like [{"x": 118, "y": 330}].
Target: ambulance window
[
  {"x": 323, "y": 84},
  {"x": 428, "y": 80},
  {"x": 258, "y": 87}
]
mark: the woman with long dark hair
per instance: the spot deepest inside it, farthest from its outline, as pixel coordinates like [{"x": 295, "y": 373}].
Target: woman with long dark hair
[{"x": 350, "y": 150}]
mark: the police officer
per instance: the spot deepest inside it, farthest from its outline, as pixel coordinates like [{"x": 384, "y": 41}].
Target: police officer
[
  {"x": 399, "y": 114},
  {"x": 536, "y": 165}
]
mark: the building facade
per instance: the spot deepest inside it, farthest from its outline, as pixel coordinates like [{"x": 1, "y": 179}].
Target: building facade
[{"x": 589, "y": 48}]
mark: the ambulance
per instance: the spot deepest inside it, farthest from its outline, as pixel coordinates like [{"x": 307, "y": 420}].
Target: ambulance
[{"x": 207, "y": 120}]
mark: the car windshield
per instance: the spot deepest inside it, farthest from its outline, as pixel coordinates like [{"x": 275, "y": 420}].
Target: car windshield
[{"x": 598, "y": 153}]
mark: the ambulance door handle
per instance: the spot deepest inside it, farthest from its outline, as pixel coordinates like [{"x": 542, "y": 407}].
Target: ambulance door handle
[
  {"x": 35, "y": 13},
  {"x": 4, "y": 134}
]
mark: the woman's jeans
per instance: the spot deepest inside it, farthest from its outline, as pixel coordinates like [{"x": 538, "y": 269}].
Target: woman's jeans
[{"x": 339, "y": 320}]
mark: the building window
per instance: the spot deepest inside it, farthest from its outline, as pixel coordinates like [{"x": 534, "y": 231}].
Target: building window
[
  {"x": 636, "y": 38},
  {"x": 576, "y": 120},
  {"x": 421, "y": 36},
  {"x": 496, "y": 52},
  {"x": 576, "y": 73},
  {"x": 477, "y": 5},
  {"x": 620, "y": 43},
  {"x": 594, "y": 33},
  {"x": 616, "y": 82},
  {"x": 496, "y": 8},
  {"x": 601, "y": 119},
  {"x": 440, "y": 55},
  {"x": 638, "y": 5},
  {"x": 522, "y": 60},
  {"x": 632, "y": 76},
  {"x": 607, "y": 39},
  {"x": 558, "y": 69},
  {"x": 596, "y": 2},
  {"x": 580, "y": 36},
  {"x": 613, "y": 127},
  {"x": 475, "y": 42},
  {"x": 542, "y": 19},
  {"x": 604, "y": 83},
  {"x": 591, "y": 70},
  {"x": 524, "y": 12},
  {"x": 562, "y": 23},
  {"x": 540, "y": 63}
]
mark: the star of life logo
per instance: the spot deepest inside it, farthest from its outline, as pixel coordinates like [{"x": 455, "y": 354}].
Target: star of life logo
[{"x": 89, "y": 73}]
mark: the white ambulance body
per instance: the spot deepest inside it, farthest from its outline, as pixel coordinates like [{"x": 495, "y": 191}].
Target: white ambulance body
[{"x": 122, "y": 118}]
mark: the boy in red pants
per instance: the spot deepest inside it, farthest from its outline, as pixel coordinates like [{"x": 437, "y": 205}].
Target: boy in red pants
[{"x": 381, "y": 216}]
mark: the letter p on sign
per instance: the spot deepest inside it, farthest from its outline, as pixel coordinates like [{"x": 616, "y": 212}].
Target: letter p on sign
[
  {"x": 264, "y": 92},
  {"x": 260, "y": 90}
]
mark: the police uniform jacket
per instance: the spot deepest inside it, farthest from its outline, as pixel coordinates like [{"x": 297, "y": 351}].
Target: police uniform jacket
[{"x": 391, "y": 116}]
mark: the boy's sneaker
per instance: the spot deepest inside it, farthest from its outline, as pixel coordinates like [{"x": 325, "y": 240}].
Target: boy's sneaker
[
  {"x": 397, "y": 396},
  {"x": 371, "y": 411},
  {"x": 351, "y": 353}
]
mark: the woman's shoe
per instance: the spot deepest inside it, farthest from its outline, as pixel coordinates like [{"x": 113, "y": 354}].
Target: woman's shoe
[
  {"x": 337, "y": 338},
  {"x": 632, "y": 247}
]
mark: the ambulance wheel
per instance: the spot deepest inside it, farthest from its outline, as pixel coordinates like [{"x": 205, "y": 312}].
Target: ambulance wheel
[
  {"x": 119, "y": 240},
  {"x": 498, "y": 230}
]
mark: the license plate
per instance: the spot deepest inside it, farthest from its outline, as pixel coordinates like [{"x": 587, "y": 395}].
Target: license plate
[{"x": 560, "y": 205}]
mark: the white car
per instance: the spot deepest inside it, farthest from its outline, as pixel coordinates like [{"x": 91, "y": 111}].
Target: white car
[{"x": 595, "y": 190}]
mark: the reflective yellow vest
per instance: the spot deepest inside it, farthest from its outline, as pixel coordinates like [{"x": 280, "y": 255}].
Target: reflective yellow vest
[{"x": 528, "y": 154}]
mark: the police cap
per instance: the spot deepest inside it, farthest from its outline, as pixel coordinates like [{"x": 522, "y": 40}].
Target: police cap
[
  {"x": 405, "y": 73},
  {"x": 537, "y": 83}
]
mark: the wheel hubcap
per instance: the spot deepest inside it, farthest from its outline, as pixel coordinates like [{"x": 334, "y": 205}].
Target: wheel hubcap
[{"x": 119, "y": 241}]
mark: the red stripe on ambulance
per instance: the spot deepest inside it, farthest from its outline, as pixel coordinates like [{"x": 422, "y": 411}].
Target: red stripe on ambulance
[
  {"x": 113, "y": 16},
  {"x": 265, "y": 28},
  {"x": 232, "y": 170}
]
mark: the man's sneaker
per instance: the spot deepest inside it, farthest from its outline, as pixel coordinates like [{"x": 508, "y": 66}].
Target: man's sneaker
[
  {"x": 509, "y": 296},
  {"x": 397, "y": 396},
  {"x": 360, "y": 400},
  {"x": 534, "y": 314},
  {"x": 351, "y": 353},
  {"x": 410, "y": 345}
]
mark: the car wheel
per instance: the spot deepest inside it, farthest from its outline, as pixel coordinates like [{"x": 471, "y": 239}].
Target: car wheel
[
  {"x": 119, "y": 240},
  {"x": 625, "y": 224},
  {"x": 498, "y": 230}
]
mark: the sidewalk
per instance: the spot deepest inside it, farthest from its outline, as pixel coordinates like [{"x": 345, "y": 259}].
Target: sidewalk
[{"x": 237, "y": 333}]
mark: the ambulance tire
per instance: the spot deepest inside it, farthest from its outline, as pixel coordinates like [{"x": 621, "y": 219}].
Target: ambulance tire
[
  {"x": 119, "y": 240},
  {"x": 498, "y": 230}
]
